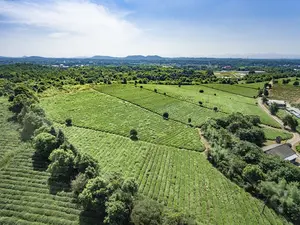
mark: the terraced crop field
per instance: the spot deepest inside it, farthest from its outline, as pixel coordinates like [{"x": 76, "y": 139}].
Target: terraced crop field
[
  {"x": 179, "y": 178},
  {"x": 224, "y": 101},
  {"x": 157, "y": 102},
  {"x": 253, "y": 85},
  {"x": 25, "y": 196},
  {"x": 8, "y": 130},
  {"x": 102, "y": 112}
]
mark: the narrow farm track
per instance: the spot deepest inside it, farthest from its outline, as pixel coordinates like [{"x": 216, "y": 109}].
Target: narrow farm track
[{"x": 296, "y": 136}]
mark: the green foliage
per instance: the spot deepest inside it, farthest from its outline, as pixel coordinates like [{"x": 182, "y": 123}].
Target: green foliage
[
  {"x": 133, "y": 134},
  {"x": 290, "y": 121},
  {"x": 274, "y": 108},
  {"x": 253, "y": 174},
  {"x": 68, "y": 122},
  {"x": 31, "y": 122},
  {"x": 79, "y": 183},
  {"x": 147, "y": 212},
  {"x": 45, "y": 143},
  {"x": 85, "y": 161},
  {"x": 166, "y": 115},
  {"x": 253, "y": 135},
  {"x": 62, "y": 164}
]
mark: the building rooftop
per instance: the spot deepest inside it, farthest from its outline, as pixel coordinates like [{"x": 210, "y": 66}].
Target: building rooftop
[{"x": 284, "y": 151}]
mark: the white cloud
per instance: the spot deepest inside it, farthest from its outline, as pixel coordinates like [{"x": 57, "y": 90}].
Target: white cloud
[{"x": 79, "y": 27}]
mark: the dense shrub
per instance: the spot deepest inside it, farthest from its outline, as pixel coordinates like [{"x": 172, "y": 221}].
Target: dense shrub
[
  {"x": 166, "y": 115},
  {"x": 62, "y": 164},
  {"x": 45, "y": 143},
  {"x": 69, "y": 122},
  {"x": 31, "y": 122}
]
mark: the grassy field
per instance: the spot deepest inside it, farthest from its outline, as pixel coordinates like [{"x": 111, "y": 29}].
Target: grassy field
[
  {"x": 178, "y": 178},
  {"x": 234, "y": 89},
  {"x": 288, "y": 93},
  {"x": 271, "y": 134},
  {"x": 99, "y": 111},
  {"x": 224, "y": 101},
  {"x": 253, "y": 85},
  {"x": 25, "y": 196},
  {"x": 157, "y": 102}
]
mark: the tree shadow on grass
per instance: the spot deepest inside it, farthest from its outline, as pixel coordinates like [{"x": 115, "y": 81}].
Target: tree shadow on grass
[
  {"x": 39, "y": 163},
  {"x": 90, "y": 218},
  {"x": 57, "y": 185}
]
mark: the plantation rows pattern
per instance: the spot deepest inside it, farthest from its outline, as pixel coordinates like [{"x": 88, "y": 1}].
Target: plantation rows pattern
[
  {"x": 93, "y": 109},
  {"x": 178, "y": 178}
]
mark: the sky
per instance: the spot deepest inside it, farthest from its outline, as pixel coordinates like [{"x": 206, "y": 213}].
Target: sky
[{"x": 170, "y": 28}]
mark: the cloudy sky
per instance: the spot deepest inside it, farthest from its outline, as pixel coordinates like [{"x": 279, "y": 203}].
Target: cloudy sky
[{"x": 68, "y": 28}]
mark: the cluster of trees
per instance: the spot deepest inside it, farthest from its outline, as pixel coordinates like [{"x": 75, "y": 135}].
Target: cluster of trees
[
  {"x": 265, "y": 176},
  {"x": 108, "y": 196}
]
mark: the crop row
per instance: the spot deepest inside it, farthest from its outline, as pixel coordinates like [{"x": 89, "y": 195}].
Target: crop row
[{"x": 178, "y": 178}]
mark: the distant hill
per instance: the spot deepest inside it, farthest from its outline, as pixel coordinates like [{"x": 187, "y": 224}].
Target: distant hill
[
  {"x": 103, "y": 57},
  {"x": 141, "y": 57}
]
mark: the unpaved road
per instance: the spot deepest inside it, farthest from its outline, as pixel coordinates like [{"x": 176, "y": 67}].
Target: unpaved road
[{"x": 296, "y": 136}]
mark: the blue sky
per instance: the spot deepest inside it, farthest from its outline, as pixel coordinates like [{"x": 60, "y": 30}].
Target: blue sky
[{"x": 226, "y": 28}]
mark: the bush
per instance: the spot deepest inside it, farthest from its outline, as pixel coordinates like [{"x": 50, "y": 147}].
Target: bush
[
  {"x": 201, "y": 91},
  {"x": 215, "y": 109},
  {"x": 189, "y": 120},
  {"x": 31, "y": 122},
  {"x": 79, "y": 183},
  {"x": 62, "y": 163},
  {"x": 273, "y": 108},
  {"x": 166, "y": 116},
  {"x": 45, "y": 143},
  {"x": 165, "y": 93},
  {"x": 155, "y": 90},
  {"x": 148, "y": 212},
  {"x": 200, "y": 103},
  {"x": 69, "y": 122},
  {"x": 84, "y": 161},
  {"x": 133, "y": 134},
  {"x": 296, "y": 83}
]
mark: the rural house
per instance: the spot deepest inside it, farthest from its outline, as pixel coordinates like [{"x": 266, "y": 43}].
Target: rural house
[{"x": 284, "y": 151}]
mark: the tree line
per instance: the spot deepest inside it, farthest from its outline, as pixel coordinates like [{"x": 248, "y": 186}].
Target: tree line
[{"x": 236, "y": 153}]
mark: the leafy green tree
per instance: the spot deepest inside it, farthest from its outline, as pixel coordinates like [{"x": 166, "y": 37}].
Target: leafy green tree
[
  {"x": 148, "y": 212},
  {"x": 253, "y": 174},
  {"x": 266, "y": 92},
  {"x": 62, "y": 164},
  {"x": 83, "y": 161},
  {"x": 116, "y": 212},
  {"x": 290, "y": 121},
  {"x": 79, "y": 183},
  {"x": 273, "y": 108},
  {"x": 31, "y": 122},
  {"x": 94, "y": 195},
  {"x": 45, "y": 143},
  {"x": 296, "y": 83},
  {"x": 264, "y": 99}
]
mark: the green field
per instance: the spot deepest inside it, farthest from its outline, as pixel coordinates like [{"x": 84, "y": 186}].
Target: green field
[
  {"x": 224, "y": 101},
  {"x": 102, "y": 112},
  {"x": 255, "y": 86},
  {"x": 179, "y": 178},
  {"x": 157, "y": 102},
  {"x": 271, "y": 134},
  {"x": 234, "y": 89},
  {"x": 25, "y": 197}
]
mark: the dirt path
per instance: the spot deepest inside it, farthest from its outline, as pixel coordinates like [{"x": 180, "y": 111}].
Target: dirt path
[
  {"x": 204, "y": 141},
  {"x": 296, "y": 136},
  {"x": 263, "y": 107}
]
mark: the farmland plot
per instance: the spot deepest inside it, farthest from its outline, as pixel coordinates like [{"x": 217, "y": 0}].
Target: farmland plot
[
  {"x": 224, "y": 101},
  {"x": 99, "y": 111},
  {"x": 178, "y": 178}
]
